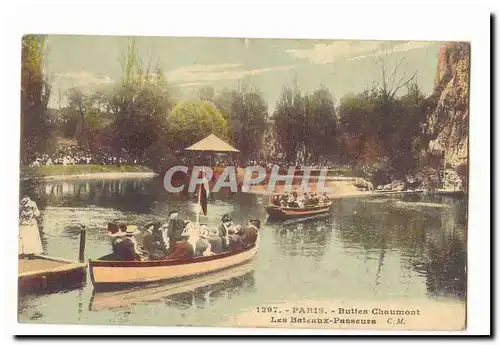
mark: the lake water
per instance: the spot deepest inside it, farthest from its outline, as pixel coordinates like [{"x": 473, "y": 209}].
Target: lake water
[{"x": 367, "y": 249}]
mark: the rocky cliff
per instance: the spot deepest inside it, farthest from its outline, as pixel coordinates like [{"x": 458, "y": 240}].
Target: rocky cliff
[{"x": 448, "y": 122}]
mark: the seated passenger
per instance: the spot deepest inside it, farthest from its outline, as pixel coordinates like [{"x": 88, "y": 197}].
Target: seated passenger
[
  {"x": 113, "y": 229},
  {"x": 250, "y": 233},
  {"x": 215, "y": 241},
  {"x": 300, "y": 201},
  {"x": 275, "y": 200},
  {"x": 324, "y": 199},
  {"x": 314, "y": 199},
  {"x": 153, "y": 243},
  {"x": 182, "y": 249},
  {"x": 292, "y": 201},
  {"x": 126, "y": 249},
  {"x": 175, "y": 227},
  {"x": 225, "y": 225},
  {"x": 309, "y": 200},
  {"x": 202, "y": 247},
  {"x": 236, "y": 240},
  {"x": 284, "y": 199}
]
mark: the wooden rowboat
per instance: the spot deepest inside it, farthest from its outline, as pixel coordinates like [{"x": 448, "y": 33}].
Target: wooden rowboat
[
  {"x": 283, "y": 213},
  {"x": 107, "y": 275}
]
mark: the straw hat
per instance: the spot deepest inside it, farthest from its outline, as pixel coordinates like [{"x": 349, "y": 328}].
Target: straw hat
[
  {"x": 173, "y": 214},
  {"x": 187, "y": 229},
  {"x": 204, "y": 231},
  {"x": 131, "y": 230}
]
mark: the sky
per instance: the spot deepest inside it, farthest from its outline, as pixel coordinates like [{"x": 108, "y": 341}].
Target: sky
[{"x": 93, "y": 62}]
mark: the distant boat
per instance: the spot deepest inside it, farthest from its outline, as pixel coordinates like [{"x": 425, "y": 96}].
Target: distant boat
[{"x": 283, "y": 213}]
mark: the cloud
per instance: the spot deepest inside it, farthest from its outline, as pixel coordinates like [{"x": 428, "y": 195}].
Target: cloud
[
  {"x": 83, "y": 79},
  {"x": 196, "y": 84},
  {"x": 351, "y": 50},
  {"x": 210, "y": 73},
  {"x": 399, "y": 48},
  {"x": 326, "y": 53}
]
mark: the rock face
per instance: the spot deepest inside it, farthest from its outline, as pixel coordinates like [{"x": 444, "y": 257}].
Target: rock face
[{"x": 448, "y": 124}]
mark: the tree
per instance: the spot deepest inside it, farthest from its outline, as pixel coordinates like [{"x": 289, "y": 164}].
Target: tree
[
  {"x": 245, "y": 111},
  {"x": 306, "y": 125},
  {"x": 381, "y": 126},
  {"x": 35, "y": 93},
  {"x": 247, "y": 121},
  {"x": 84, "y": 115},
  {"x": 191, "y": 121},
  {"x": 321, "y": 122},
  {"x": 289, "y": 117},
  {"x": 223, "y": 101},
  {"x": 140, "y": 104},
  {"x": 389, "y": 86},
  {"x": 358, "y": 122}
]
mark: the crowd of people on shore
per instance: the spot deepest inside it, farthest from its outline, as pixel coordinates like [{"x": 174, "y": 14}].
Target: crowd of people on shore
[
  {"x": 283, "y": 164},
  {"x": 74, "y": 154},
  {"x": 299, "y": 200},
  {"x": 180, "y": 239}
]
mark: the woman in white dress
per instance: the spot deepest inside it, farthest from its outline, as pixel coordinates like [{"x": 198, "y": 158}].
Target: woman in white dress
[{"x": 29, "y": 237}]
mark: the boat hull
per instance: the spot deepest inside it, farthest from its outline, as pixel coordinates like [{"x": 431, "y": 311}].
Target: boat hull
[
  {"x": 283, "y": 213},
  {"x": 125, "y": 297},
  {"x": 107, "y": 275}
]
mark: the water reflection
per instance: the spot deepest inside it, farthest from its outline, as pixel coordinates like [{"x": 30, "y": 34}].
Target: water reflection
[
  {"x": 199, "y": 292},
  {"x": 205, "y": 296},
  {"x": 378, "y": 248},
  {"x": 125, "y": 195},
  {"x": 429, "y": 239},
  {"x": 305, "y": 238}
]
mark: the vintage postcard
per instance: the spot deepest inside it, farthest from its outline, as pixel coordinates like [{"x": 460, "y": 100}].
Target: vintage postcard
[{"x": 243, "y": 182}]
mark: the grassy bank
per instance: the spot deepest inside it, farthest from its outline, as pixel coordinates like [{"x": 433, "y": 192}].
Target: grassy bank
[{"x": 51, "y": 170}]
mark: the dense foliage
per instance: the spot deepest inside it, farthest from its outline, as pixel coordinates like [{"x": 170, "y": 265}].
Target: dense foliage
[
  {"x": 380, "y": 132},
  {"x": 306, "y": 125},
  {"x": 35, "y": 92}
]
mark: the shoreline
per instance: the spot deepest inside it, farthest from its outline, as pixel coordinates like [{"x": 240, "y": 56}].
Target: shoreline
[
  {"x": 101, "y": 176},
  {"x": 348, "y": 195}
]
